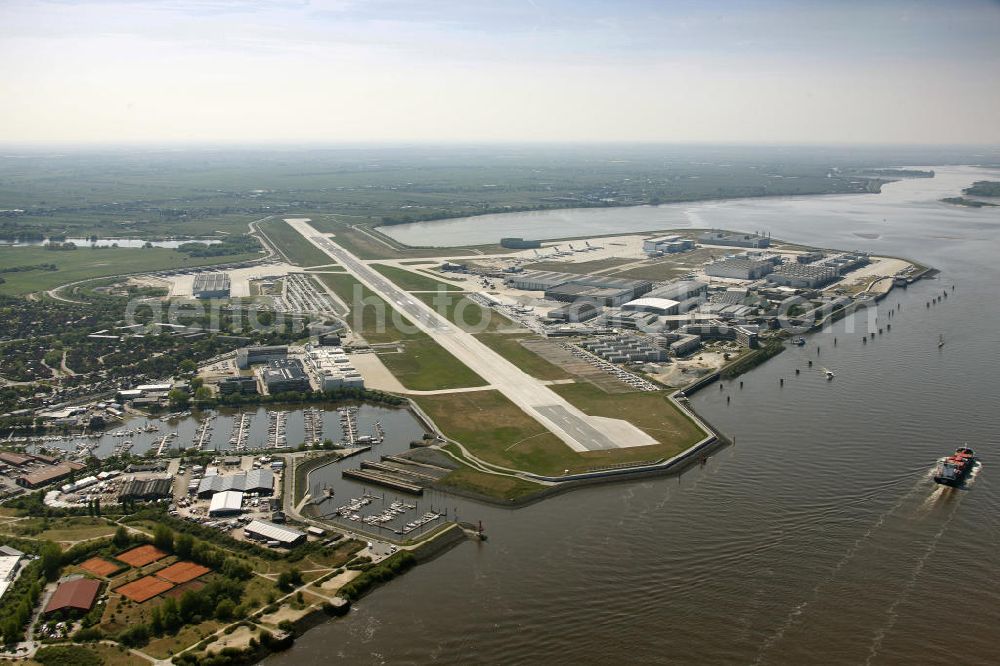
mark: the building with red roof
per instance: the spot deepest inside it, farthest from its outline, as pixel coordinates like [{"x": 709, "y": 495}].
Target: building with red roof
[{"x": 79, "y": 594}]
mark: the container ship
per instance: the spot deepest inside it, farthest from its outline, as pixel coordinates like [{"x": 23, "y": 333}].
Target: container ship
[{"x": 954, "y": 469}]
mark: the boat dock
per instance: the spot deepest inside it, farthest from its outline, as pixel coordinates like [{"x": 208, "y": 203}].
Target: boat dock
[{"x": 383, "y": 480}]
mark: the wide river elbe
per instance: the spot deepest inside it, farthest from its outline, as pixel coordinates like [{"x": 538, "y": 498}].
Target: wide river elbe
[{"x": 818, "y": 538}]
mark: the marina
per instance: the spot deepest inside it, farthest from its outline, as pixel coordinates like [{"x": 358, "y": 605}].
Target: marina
[{"x": 230, "y": 430}]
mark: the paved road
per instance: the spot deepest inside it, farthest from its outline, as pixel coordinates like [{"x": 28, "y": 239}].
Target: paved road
[{"x": 578, "y": 430}]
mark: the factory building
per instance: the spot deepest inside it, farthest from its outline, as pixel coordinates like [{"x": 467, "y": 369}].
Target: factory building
[
  {"x": 625, "y": 349},
  {"x": 538, "y": 280},
  {"x": 15, "y": 459},
  {"x": 680, "y": 290},
  {"x": 148, "y": 490},
  {"x": 607, "y": 296},
  {"x": 734, "y": 239},
  {"x": 744, "y": 335},
  {"x": 632, "y": 321},
  {"x": 569, "y": 287},
  {"x": 243, "y": 385},
  {"x": 211, "y": 285},
  {"x": 247, "y": 356},
  {"x": 657, "y": 306},
  {"x": 47, "y": 475},
  {"x": 259, "y": 481},
  {"x": 262, "y": 530},
  {"x": 683, "y": 344},
  {"x": 803, "y": 276},
  {"x": 575, "y": 312},
  {"x": 666, "y": 245},
  {"x": 519, "y": 243},
  {"x": 284, "y": 376},
  {"x": 740, "y": 269}
]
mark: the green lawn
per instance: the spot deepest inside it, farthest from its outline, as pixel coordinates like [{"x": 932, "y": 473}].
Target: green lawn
[
  {"x": 85, "y": 263},
  {"x": 424, "y": 365},
  {"x": 509, "y": 346},
  {"x": 497, "y": 431},
  {"x": 491, "y": 485},
  {"x": 293, "y": 245},
  {"x": 411, "y": 281}
]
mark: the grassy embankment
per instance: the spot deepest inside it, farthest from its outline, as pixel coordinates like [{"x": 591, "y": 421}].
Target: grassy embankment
[
  {"x": 423, "y": 364},
  {"x": 294, "y": 245},
  {"x": 84, "y": 263},
  {"x": 497, "y": 431}
]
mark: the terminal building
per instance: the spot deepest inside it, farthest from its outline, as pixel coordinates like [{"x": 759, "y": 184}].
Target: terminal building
[
  {"x": 211, "y": 285},
  {"x": 717, "y": 237}
]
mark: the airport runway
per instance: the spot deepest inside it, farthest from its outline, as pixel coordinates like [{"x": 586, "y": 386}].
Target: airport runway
[{"x": 578, "y": 430}]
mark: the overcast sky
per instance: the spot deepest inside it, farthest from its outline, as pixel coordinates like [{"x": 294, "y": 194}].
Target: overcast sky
[{"x": 478, "y": 70}]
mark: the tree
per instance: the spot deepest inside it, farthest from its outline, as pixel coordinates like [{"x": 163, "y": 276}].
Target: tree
[
  {"x": 51, "y": 558},
  {"x": 224, "y": 610},
  {"x": 171, "y": 615},
  {"x": 187, "y": 365},
  {"x": 121, "y": 538},
  {"x": 156, "y": 621},
  {"x": 203, "y": 393},
  {"x": 183, "y": 546},
  {"x": 288, "y": 580},
  {"x": 163, "y": 538},
  {"x": 178, "y": 398}
]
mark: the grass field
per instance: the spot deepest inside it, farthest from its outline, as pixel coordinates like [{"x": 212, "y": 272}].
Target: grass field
[
  {"x": 63, "y": 530},
  {"x": 497, "y": 431},
  {"x": 84, "y": 263},
  {"x": 293, "y": 245},
  {"x": 491, "y": 485},
  {"x": 424, "y": 365},
  {"x": 509, "y": 346},
  {"x": 410, "y": 281}
]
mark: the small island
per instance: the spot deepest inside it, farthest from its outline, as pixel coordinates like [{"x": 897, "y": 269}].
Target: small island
[
  {"x": 983, "y": 188},
  {"x": 968, "y": 203}
]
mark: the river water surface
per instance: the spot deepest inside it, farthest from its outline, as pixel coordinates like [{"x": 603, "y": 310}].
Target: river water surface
[{"x": 817, "y": 538}]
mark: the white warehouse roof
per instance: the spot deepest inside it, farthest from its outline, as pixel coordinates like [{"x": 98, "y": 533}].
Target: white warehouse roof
[
  {"x": 230, "y": 501},
  {"x": 652, "y": 304},
  {"x": 272, "y": 532}
]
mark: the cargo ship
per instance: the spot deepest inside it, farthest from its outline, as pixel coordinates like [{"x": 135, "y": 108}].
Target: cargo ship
[{"x": 954, "y": 469}]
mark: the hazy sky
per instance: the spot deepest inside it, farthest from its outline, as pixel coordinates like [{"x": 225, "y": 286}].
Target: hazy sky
[{"x": 478, "y": 70}]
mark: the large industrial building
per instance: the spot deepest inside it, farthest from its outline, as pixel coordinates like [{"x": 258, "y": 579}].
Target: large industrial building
[
  {"x": 247, "y": 356},
  {"x": 244, "y": 385},
  {"x": 624, "y": 349},
  {"x": 739, "y": 268},
  {"x": 262, "y": 530},
  {"x": 657, "y": 306},
  {"x": 803, "y": 276},
  {"x": 47, "y": 475},
  {"x": 284, "y": 376},
  {"x": 575, "y": 312},
  {"x": 569, "y": 287},
  {"x": 259, "y": 481},
  {"x": 717, "y": 330},
  {"x": 147, "y": 490},
  {"x": 680, "y": 290},
  {"x": 666, "y": 245},
  {"x": 734, "y": 239},
  {"x": 226, "y": 503},
  {"x": 211, "y": 285}
]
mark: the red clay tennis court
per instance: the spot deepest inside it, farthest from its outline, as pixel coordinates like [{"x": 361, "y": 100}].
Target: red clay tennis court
[
  {"x": 182, "y": 572},
  {"x": 144, "y": 589},
  {"x": 100, "y": 566},
  {"x": 141, "y": 556}
]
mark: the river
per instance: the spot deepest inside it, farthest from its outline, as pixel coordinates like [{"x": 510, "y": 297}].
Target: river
[{"x": 817, "y": 538}]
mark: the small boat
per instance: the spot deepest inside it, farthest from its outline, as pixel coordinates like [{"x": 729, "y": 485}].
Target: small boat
[
  {"x": 954, "y": 469},
  {"x": 940, "y": 341},
  {"x": 829, "y": 374},
  {"x": 798, "y": 341}
]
